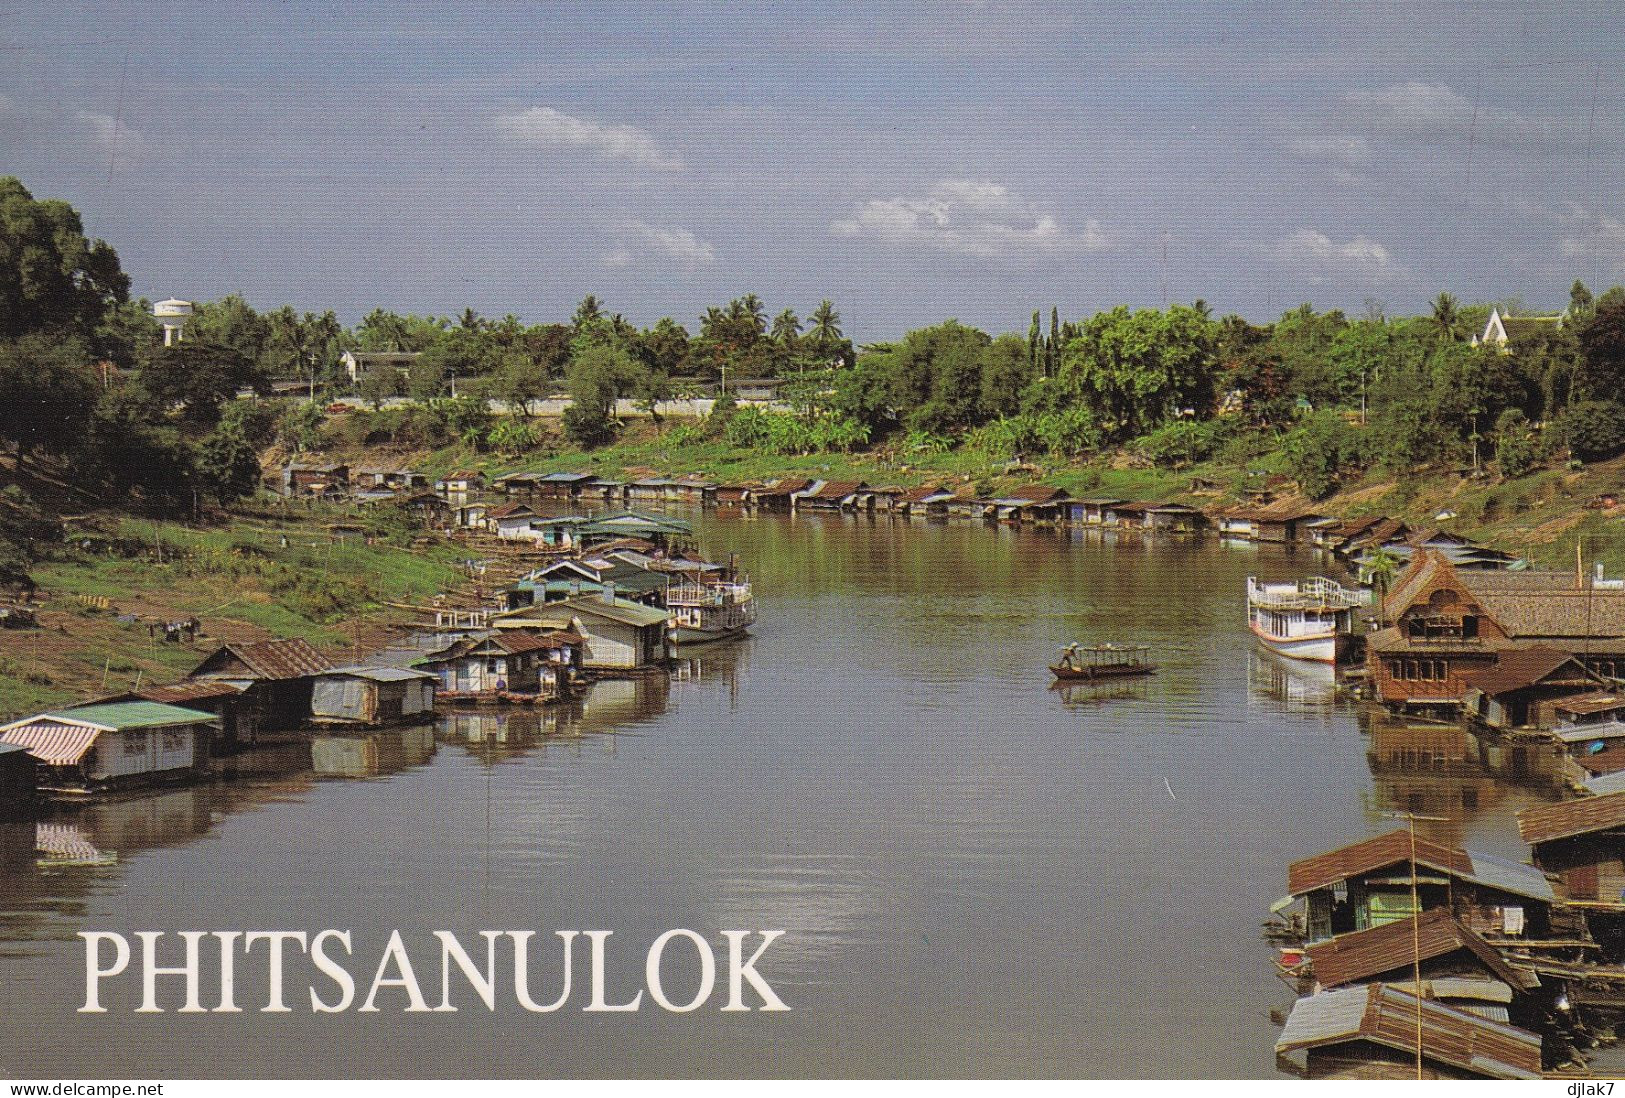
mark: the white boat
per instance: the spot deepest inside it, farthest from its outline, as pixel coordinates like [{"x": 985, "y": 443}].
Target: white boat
[
  {"x": 1310, "y": 619},
  {"x": 710, "y": 609}
]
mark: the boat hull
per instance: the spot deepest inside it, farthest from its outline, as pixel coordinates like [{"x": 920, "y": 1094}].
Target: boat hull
[
  {"x": 688, "y": 635},
  {"x": 1316, "y": 648},
  {"x": 1088, "y": 674}
]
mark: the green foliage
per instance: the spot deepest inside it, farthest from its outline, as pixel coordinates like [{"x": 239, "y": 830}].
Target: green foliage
[
  {"x": 1182, "y": 442},
  {"x": 44, "y": 391},
  {"x": 380, "y": 384},
  {"x": 1593, "y": 429},
  {"x": 228, "y": 465},
  {"x": 1319, "y": 449},
  {"x": 1136, "y": 369},
  {"x": 194, "y": 379},
  {"x": 256, "y": 421},
  {"x": 299, "y": 426},
  {"x": 509, "y": 436},
  {"x": 1517, "y": 447},
  {"x": 52, "y": 279}
]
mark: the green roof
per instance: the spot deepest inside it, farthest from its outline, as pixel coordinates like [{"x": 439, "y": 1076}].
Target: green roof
[
  {"x": 136, "y": 714},
  {"x": 623, "y": 611}
]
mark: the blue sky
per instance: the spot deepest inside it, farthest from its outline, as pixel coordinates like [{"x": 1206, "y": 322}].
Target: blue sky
[{"x": 911, "y": 161}]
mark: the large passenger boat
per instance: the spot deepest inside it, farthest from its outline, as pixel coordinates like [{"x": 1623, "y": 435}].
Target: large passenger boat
[{"x": 1311, "y": 619}]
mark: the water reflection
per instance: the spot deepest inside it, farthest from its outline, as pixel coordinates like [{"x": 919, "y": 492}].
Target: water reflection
[
  {"x": 372, "y": 754},
  {"x": 1475, "y": 785},
  {"x": 1297, "y": 686}
]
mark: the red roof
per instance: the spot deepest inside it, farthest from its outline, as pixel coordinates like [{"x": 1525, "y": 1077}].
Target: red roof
[
  {"x": 509, "y": 510},
  {"x": 272, "y": 660},
  {"x": 1569, "y": 818},
  {"x": 1309, "y": 874},
  {"x": 836, "y": 489},
  {"x": 1036, "y": 493}
]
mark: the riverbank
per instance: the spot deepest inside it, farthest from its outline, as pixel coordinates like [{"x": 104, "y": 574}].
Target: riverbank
[{"x": 1538, "y": 516}]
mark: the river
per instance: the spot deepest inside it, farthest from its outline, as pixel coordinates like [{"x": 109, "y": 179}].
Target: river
[{"x": 976, "y": 875}]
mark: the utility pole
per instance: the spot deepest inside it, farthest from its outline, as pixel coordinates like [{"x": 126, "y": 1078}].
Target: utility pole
[{"x": 1410, "y": 819}]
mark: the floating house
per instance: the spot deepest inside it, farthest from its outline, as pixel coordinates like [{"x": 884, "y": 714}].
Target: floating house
[
  {"x": 928, "y": 500},
  {"x": 1448, "y": 623},
  {"x": 274, "y": 678},
  {"x": 1370, "y": 1031},
  {"x": 616, "y": 635},
  {"x": 1174, "y": 518},
  {"x": 1029, "y": 503},
  {"x": 829, "y": 495},
  {"x": 369, "y": 697},
  {"x": 511, "y": 521},
  {"x": 223, "y": 699},
  {"x": 779, "y": 495},
  {"x": 1368, "y": 884},
  {"x": 119, "y": 744},
  {"x": 1458, "y": 967},
  {"x": 737, "y": 494},
  {"x": 659, "y": 532},
  {"x": 495, "y": 663},
  {"x": 1092, "y": 511},
  {"x": 1581, "y": 842},
  {"x": 1524, "y": 686}
]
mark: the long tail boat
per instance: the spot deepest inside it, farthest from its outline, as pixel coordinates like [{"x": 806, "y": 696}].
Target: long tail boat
[{"x": 1103, "y": 661}]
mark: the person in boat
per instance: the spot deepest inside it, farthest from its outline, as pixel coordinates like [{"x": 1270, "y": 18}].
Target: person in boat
[{"x": 1070, "y": 659}]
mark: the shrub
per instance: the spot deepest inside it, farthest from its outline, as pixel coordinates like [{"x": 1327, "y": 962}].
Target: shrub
[{"x": 1593, "y": 429}]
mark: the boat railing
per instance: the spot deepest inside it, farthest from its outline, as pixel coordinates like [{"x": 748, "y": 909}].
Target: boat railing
[
  {"x": 1316, "y": 593},
  {"x": 720, "y": 593}
]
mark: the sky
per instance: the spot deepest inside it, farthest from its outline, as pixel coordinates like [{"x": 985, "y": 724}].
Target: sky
[{"x": 911, "y": 162}]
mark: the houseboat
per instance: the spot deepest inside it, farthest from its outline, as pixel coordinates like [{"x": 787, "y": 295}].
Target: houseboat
[
  {"x": 710, "y": 609},
  {"x": 1310, "y": 619}
]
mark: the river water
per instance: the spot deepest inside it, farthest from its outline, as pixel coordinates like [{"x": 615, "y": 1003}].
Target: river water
[{"x": 976, "y": 875}]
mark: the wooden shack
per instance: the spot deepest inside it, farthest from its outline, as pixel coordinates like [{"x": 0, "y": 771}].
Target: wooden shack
[
  {"x": 370, "y": 697},
  {"x": 1524, "y": 686},
  {"x": 275, "y": 679},
  {"x": 98, "y": 747},
  {"x": 1369, "y": 883},
  {"x": 829, "y": 495},
  {"x": 1583, "y": 843},
  {"x": 1369, "y": 1031},
  {"x": 1458, "y": 967}
]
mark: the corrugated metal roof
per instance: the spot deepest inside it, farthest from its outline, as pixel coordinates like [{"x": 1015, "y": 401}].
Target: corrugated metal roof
[
  {"x": 114, "y": 716},
  {"x": 1604, "y": 784},
  {"x": 1357, "y": 957},
  {"x": 379, "y": 674},
  {"x": 1387, "y": 1016},
  {"x": 52, "y": 743},
  {"x": 1586, "y": 704},
  {"x": 834, "y": 489},
  {"x": 1583, "y": 733},
  {"x": 1309, "y": 874},
  {"x": 274, "y": 660},
  {"x": 1568, "y": 818},
  {"x": 622, "y": 611},
  {"x": 1518, "y": 878}
]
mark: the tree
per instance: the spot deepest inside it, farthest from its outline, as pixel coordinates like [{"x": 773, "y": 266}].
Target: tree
[
  {"x": 1580, "y": 301},
  {"x": 596, "y": 378},
  {"x": 1593, "y": 429},
  {"x": 228, "y": 465},
  {"x": 231, "y": 322},
  {"x": 379, "y": 384},
  {"x": 194, "y": 379},
  {"x": 1447, "y": 317},
  {"x": 45, "y": 388},
  {"x": 1052, "y": 349},
  {"x": 1135, "y": 369},
  {"x": 1602, "y": 348},
  {"x": 824, "y": 329},
  {"x": 51, "y": 277},
  {"x": 519, "y": 381},
  {"x": 786, "y": 327}
]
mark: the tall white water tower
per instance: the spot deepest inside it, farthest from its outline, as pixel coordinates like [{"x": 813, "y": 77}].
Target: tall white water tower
[{"x": 173, "y": 315}]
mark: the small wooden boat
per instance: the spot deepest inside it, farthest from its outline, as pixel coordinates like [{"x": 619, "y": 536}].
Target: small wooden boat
[{"x": 1103, "y": 661}]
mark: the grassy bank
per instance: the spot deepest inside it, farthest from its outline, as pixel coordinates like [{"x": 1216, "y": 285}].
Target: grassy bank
[{"x": 273, "y": 572}]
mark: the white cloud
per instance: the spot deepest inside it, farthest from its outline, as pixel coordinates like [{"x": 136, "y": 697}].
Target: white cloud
[
  {"x": 968, "y": 217},
  {"x": 1417, "y": 110},
  {"x": 546, "y": 127},
  {"x": 639, "y": 239},
  {"x": 110, "y": 136},
  {"x": 1344, "y": 151},
  {"x": 1317, "y": 257}
]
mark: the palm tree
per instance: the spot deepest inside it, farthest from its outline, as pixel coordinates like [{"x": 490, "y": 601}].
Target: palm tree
[
  {"x": 1447, "y": 317},
  {"x": 750, "y": 308},
  {"x": 786, "y": 326},
  {"x": 1381, "y": 567},
  {"x": 825, "y": 325}
]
